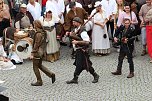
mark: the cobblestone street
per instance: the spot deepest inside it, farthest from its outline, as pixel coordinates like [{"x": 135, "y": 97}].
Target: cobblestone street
[{"x": 109, "y": 87}]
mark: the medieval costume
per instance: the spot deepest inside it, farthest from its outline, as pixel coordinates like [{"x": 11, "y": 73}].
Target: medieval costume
[
  {"x": 77, "y": 5},
  {"x": 110, "y": 6},
  {"x": 74, "y": 12},
  {"x": 77, "y": 12},
  {"x": 13, "y": 56},
  {"x": 52, "y": 48},
  {"x": 38, "y": 52},
  {"x": 88, "y": 5},
  {"x": 5, "y": 64},
  {"x": 57, "y": 8},
  {"x": 100, "y": 38},
  {"x": 23, "y": 20},
  {"x": 82, "y": 62}
]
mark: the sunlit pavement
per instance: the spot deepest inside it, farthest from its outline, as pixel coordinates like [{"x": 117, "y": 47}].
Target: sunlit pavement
[{"x": 109, "y": 87}]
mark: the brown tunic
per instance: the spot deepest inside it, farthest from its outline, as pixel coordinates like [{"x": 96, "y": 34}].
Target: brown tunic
[
  {"x": 80, "y": 12},
  {"x": 39, "y": 44}
]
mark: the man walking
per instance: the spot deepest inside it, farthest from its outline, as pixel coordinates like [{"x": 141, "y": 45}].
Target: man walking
[
  {"x": 39, "y": 47},
  {"x": 81, "y": 43}
]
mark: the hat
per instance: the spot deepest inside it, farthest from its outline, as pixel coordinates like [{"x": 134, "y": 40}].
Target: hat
[
  {"x": 98, "y": 3},
  {"x": 23, "y": 5},
  {"x": 1, "y": 39},
  {"x": 77, "y": 19},
  {"x": 48, "y": 10},
  {"x": 72, "y": 4}
]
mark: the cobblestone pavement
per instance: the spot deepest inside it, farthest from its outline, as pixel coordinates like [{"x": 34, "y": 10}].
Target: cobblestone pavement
[{"x": 109, "y": 87}]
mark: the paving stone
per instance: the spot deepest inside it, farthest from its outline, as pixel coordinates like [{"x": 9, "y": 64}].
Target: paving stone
[{"x": 109, "y": 87}]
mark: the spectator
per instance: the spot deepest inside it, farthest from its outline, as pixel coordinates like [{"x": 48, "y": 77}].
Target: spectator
[
  {"x": 77, "y": 4},
  {"x": 5, "y": 18},
  {"x": 141, "y": 2},
  {"x": 142, "y": 14},
  {"x": 74, "y": 11},
  {"x": 34, "y": 8},
  {"x": 135, "y": 8},
  {"x": 120, "y": 9},
  {"x": 43, "y": 6},
  {"x": 57, "y": 8},
  {"x": 148, "y": 19},
  {"x": 127, "y": 13},
  {"x": 13, "y": 56},
  {"x": 110, "y": 7},
  {"x": 88, "y": 5},
  {"x": 5, "y": 63},
  {"x": 24, "y": 18},
  {"x": 14, "y": 6},
  {"x": 100, "y": 38},
  {"x": 52, "y": 47}
]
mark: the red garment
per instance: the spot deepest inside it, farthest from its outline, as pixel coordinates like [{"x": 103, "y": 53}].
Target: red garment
[
  {"x": 44, "y": 3},
  {"x": 149, "y": 39}
]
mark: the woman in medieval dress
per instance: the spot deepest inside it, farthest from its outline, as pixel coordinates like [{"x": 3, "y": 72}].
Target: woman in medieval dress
[
  {"x": 48, "y": 23},
  {"x": 100, "y": 38}
]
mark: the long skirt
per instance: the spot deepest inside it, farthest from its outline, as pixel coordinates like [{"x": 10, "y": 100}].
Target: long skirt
[{"x": 52, "y": 50}]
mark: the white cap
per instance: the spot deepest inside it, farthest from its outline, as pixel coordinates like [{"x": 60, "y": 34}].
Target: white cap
[
  {"x": 98, "y": 3},
  {"x": 47, "y": 10},
  {"x": 1, "y": 39},
  {"x": 23, "y": 5},
  {"x": 11, "y": 46}
]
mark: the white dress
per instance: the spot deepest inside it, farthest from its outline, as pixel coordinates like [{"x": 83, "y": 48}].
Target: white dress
[
  {"x": 5, "y": 65},
  {"x": 99, "y": 43},
  {"x": 60, "y": 9},
  {"x": 52, "y": 45}
]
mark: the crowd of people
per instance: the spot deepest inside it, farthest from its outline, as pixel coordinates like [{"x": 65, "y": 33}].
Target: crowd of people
[{"x": 99, "y": 22}]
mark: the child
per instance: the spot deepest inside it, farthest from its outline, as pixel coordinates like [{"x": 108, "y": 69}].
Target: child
[
  {"x": 5, "y": 63},
  {"x": 15, "y": 59}
]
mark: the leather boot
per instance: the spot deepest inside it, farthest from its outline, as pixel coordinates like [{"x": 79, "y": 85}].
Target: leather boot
[
  {"x": 131, "y": 74},
  {"x": 48, "y": 73},
  {"x": 38, "y": 83},
  {"x": 96, "y": 77},
  {"x": 73, "y": 81},
  {"x": 53, "y": 78},
  {"x": 118, "y": 72}
]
